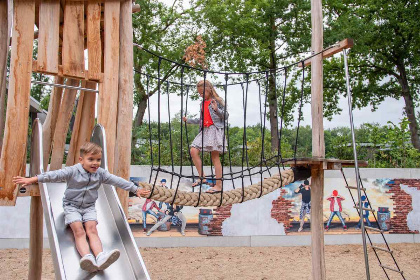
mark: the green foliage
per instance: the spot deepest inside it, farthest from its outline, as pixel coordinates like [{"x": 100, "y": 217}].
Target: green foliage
[{"x": 381, "y": 146}]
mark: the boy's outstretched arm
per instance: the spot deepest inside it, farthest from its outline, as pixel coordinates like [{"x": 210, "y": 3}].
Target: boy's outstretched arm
[{"x": 25, "y": 181}]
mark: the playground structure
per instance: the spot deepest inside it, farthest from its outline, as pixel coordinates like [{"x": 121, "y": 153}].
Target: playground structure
[{"x": 104, "y": 28}]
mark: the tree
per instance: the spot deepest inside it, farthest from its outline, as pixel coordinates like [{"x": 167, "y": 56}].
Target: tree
[
  {"x": 384, "y": 61},
  {"x": 245, "y": 35}
]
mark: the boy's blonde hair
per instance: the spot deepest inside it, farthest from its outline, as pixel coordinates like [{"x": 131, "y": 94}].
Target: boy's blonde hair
[
  {"x": 90, "y": 148},
  {"x": 209, "y": 87}
]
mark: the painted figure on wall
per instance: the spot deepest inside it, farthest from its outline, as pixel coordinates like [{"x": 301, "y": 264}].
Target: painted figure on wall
[
  {"x": 365, "y": 213},
  {"x": 148, "y": 209},
  {"x": 336, "y": 209},
  {"x": 305, "y": 190}
]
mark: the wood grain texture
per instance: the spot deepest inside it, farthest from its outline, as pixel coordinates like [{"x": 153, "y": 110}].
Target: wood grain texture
[
  {"x": 83, "y": 122},
  {"x": 73, "y": 39},
  {"x": 48, "y": 38},
  {"x": 62, "y": 125},
  {"x": 5, "y": 28},
  {"x": 107, "y": 112},
  {"x": 318, "y": 145},
  {"x": 50, "y": 122},
  {"x": 125, "y": 100},
  {"x": 16, "y": 125},
  {"x": 94, "y": 44},
  {"x": 36, "y": 239}
]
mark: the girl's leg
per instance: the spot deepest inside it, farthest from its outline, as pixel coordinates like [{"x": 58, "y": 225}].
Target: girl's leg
[
  {"x": 79, "y": 233},
  {"x": 195, "y": 155},
  {"x": 215, "y": 158},
  {"x": 94, "y": 240},
  {"x": 153, "y": 214}
]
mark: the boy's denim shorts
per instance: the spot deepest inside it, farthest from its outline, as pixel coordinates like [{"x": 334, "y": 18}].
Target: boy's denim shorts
[{"x": 77, "y": 214}]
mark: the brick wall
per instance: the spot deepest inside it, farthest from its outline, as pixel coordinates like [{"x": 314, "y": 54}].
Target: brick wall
[
  {"x": 219, "y": 215},
  {"x": 402, "y": 204},
  {"x": 281, "y": 210}
]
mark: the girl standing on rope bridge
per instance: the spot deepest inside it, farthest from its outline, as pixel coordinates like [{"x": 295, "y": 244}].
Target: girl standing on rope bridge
[{"x": 214, "y": 139}]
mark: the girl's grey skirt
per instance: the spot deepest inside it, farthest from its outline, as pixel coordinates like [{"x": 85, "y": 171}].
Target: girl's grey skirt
[{"x": 213, "y": 140}]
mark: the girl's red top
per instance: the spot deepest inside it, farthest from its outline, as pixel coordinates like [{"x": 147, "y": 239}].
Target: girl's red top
[{"x": 207, "y": 117}]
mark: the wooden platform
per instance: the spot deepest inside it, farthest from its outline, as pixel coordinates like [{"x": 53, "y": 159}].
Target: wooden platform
[{"x": 327, "y": 163}]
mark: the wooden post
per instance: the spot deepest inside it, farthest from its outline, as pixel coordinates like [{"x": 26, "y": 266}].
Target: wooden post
[
  {"x": 108, "y": 97},
  {"x": 125, "y": 100},
  {"x": 83, "y": 122},
  {"x": 62, "y": 126},
  {"x": 36, "y": 239},
  {"x": 5, "y": 26},
  {"x": 94, "y": 43},
  {"x": 16, "y": 132},
  {"x": 318, "y": 145},
  {"x": 51, "y": 120}
]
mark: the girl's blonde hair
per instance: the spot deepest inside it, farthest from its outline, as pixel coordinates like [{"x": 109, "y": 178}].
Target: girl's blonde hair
[{"x": 209, "y": 87}]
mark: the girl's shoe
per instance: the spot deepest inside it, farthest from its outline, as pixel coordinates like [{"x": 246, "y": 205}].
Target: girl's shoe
[
  {"x": 198, "y": 182},
  {"x": 345, "y": 227},
  {"x": 105, "y": 259},
  {"x": 88, "y": 263}
]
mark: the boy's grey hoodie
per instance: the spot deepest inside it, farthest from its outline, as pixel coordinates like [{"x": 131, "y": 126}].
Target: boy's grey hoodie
[{"x": 82, "y": 186}]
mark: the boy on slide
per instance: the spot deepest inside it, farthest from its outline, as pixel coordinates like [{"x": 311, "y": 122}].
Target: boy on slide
[{"x": 83, "y": 181}]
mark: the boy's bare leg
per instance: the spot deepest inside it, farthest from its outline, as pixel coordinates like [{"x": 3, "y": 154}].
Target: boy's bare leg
[
  {"x": 79, "y": 233},
  {"x": 94, "y": 240},
  {"x": 215, "y": 157}
]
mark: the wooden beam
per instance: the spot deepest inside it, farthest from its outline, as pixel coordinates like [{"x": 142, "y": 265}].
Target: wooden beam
[
  {"x": 344, "y": 44},
  {"x": 62, "y": 126},
  {"x": 49, "y": 25},
  {"x": 317, "y": 222},
  {"x": 83, "y": 122},
  {"x": 94, "y": 39},
  {"x": 36, "y": 239},
  {"x": 318, "y": 145},
  {"x": 125, "y": 101},
  {"x": 31, "y": 190},
  {"x": 17, "y": 115},
  {"x": 108, "y": 97},
  {"x": 73, "y": 39},
  {"x": 60, "y": 73},
  {"x": 51, "y": 120},
  {"x": 6, "y": 11}
]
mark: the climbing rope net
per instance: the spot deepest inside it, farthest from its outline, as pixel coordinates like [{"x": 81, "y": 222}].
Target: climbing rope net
[{"x": 270, "y": 167}]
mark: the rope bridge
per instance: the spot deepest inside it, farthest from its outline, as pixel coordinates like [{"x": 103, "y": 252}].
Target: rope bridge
[{"x": 267, "y": 83}]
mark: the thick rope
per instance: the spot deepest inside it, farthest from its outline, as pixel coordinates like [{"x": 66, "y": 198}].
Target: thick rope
[{"x": 229, "y": 197}]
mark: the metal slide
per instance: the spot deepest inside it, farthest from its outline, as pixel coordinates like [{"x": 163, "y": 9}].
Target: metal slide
[{"x": 113, "y": 228}]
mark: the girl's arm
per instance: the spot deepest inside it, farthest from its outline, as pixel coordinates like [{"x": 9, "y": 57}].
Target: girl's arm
[
  {"x": 220, "y": 110},
  {"x": 191, "y": 121}
]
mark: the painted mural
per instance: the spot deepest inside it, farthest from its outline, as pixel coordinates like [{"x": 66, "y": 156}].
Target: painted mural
[{"x": 255, "y": 217}]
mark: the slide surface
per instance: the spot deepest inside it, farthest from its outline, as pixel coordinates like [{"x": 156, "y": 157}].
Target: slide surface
[{"x": 113, "y": 228}]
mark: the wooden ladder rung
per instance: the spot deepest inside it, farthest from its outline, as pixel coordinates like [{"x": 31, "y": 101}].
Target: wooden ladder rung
[
  {"x": 390, "y": 268},
  {"x": 365, "y": 209},
  {"x": 382, "y": 249},
  {"x": 355, "y": 188},
  {"x": 374, "y": 229}
]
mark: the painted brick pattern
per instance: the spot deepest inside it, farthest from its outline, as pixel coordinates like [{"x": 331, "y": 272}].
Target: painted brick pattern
[
  {"x": 402, "y": 204},
  {"x": 281, "y": 210},
  {"x": 219, "y": 215}
]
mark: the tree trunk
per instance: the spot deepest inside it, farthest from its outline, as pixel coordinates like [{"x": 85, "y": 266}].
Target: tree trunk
[
  {"x": 272, "y": 100},
  {"x": 409, "y": 106},
  {"x": 142, "y": 106}
]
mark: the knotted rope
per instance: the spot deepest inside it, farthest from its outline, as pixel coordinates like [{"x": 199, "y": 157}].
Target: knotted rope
[{"x": 228, "y": 197}]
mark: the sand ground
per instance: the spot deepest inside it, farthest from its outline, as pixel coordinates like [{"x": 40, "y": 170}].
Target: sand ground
[{"x": 342, "y": 262}]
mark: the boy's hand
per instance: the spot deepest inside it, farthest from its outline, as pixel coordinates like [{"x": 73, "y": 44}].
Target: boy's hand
[
  {"x": 25, "y": 181},
  {"x": 142, "y": 192}
]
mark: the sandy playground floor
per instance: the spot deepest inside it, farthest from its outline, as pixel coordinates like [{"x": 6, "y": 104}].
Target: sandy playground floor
[{"x": 342, "y": 262}]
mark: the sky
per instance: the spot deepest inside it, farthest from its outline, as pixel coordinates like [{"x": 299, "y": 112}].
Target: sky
[{"x": 389, "y": 110}]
